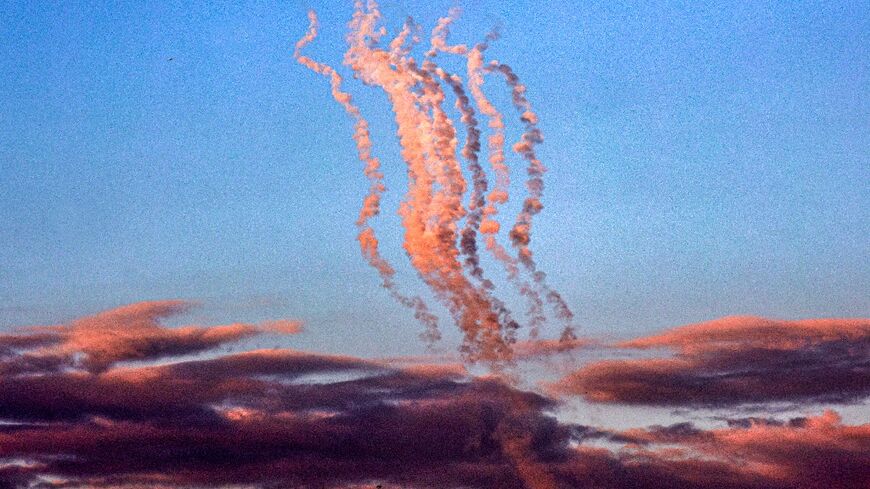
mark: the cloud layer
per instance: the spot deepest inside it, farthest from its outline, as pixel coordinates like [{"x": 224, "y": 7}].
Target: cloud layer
[
  {"x": 71, "y": 415},
  {"x": 734, "y": 361}
]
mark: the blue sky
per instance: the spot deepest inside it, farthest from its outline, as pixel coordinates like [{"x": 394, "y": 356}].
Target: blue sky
[{"x": 705, "y": 160}]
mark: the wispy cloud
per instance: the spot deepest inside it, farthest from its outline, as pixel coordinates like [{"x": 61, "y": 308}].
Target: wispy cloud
[
  {"x": 132, "y": 332},
  {"x": 736, "y": 360}
]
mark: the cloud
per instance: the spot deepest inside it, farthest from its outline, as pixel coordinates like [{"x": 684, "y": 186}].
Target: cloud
[
  {"x": 288, "y": 418},
  {"x": 127, "y": 333},
  {"x": 538, "y": 348},
  {"x": 803, "y": 452},
  {"x": 282, "y": 326},
  {"x": 528, "y": 350},
  {"x": 734, "y": 361},
  {"x": 757, "y": 332},
  {"x": 268, "y": 417}
]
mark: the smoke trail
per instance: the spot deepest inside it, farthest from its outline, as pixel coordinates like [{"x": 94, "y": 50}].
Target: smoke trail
[
  {"x": 478, "y": 176},
  {"x": 470, "y": 150},
  {"x": 520, "y": 234},
  {"x": 499, "y": 194},
  {"x": 439, "y": 36},
  {"x": 429, "y": 214},
  {"x": 445, "y": 138},
  {"x": 371, "y": 203},
  {"x": 483, "y": 215},
  {"x": 468, "y": 236},
  {"x": 433, "y": 205}
]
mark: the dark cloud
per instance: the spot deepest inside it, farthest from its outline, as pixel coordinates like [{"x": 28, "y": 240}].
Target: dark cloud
[
  {"x": 460, "y": 442},
  {"x": 814, "y": 451},
  {"x": 733, "y": 361},
  {"x": 284, "y": 418}
]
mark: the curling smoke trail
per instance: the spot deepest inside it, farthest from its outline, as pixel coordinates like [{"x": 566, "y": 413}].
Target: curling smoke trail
[
  {"x": 521, "y": 233},
  {"x": 468, "y": 236},
  {"x": 433, "y": 209},
  {"x": 499, "y": 194},
  {"x": 470, "y": 150},
  {"x": 489, "y": 226},
  {"x": 371, "y": 203},
  {"x": 430, "y": 212}
]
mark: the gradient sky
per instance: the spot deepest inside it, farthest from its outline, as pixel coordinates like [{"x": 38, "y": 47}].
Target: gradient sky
[
  {"x": 705, "y": 160},
  {"x": 178, "y": 199}
]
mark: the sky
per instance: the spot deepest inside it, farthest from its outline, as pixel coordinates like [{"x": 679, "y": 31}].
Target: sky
[{"x": 174, "y": 182}]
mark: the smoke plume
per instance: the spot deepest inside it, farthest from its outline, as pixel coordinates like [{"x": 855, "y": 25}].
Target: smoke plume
[{"x": 441, "y": 227}]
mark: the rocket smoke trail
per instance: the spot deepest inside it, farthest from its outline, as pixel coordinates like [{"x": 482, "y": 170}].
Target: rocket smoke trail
[
  {"x": 468, "y": 240},
  {"x": 440, "y": 233},
  {"x": 520, "y": 234},
  {"x": 371, "y": 204},
  {"x": 499, "y": 195},
  {"x": 430, "y": 212},
  {"x": 470, "y": 150}
]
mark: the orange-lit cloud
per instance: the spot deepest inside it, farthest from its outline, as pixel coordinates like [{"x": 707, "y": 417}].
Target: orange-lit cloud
[
  {"x": 736, "y": 360},
  {"x": 282, "y": 326},
  {"x": 288, "y": 418},
  {"x": 127, "y": 333},
  {"x": 817, "y": 451}
]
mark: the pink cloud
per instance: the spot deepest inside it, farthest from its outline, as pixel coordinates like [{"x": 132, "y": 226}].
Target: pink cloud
[{"x": 736, "y": 360}]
